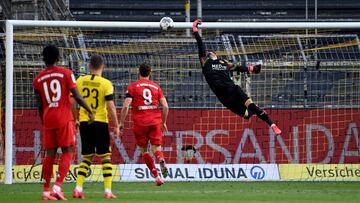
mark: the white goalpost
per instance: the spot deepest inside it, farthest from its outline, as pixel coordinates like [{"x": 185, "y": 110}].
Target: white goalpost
[{"x": 9, "y": 45}]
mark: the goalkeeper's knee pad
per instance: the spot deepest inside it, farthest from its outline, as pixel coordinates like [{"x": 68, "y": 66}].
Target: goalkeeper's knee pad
[{"x": 248, "y": 114}]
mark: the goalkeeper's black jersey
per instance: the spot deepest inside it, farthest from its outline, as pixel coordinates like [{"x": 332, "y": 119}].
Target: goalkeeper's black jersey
[{"x": 217, "y": 76}]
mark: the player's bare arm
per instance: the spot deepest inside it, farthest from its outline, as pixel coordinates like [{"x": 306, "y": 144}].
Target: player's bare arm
[
  {"x": 75, "y": 112},
  {"x": 124, "y": 112},
  {"x": 110, "y": 105},
  {"x": 39, "y": 104},
  {"x": 164, "y": 113},
  {"x": 80, "y": 100},
  {"x": 201, "y": 48}
]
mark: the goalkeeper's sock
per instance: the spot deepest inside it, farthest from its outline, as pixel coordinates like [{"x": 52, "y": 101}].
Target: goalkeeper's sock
[
  {"x": 64, "y": 166},
  {"x": 260, "y": 113},
  {"x": 82, "y": 172},
  {"x": 107, "y": 172},
  {"x": 47, "y": 169},
  {"x": 149, "y": 161}
]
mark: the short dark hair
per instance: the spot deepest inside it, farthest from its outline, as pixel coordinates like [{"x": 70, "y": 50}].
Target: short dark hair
[
  {"x": 144, "y": 69},
  {"x": 96, "y": 61},
  {"x": 51, "y": 55}
]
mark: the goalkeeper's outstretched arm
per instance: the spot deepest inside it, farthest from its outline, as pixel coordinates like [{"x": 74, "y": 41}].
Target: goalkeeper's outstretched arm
[
  {"x": 243, "y": 68},
  {"x": 201, "y": 48}
]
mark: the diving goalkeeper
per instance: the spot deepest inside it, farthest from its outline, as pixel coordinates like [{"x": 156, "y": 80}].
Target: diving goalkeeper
[{"x": 217, "y": 75}]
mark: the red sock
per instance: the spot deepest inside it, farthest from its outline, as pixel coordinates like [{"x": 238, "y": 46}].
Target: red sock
[
  {"x": 64, "y": 166},
  {"x": 47, "y": 170},
  {"x": 159, "y": 155},
  {"x": 149, "y": 161}
]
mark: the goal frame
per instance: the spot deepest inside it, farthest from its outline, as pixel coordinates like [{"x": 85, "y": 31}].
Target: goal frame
[{"x": 11, "y": 24}]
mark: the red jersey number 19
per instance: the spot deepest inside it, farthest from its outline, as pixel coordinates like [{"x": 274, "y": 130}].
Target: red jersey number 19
[
  {"x": 147, "y": 96},
  {"x": 55, "y": 89}
]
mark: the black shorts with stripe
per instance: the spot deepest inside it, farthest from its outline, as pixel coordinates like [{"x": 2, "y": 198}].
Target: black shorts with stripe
[{"x": 95, "y": 138}]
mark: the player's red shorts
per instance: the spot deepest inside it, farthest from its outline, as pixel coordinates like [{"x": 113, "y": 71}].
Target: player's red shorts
[
  {"x": 59, "y": 137},
  {"x": 144, "y": 134}
]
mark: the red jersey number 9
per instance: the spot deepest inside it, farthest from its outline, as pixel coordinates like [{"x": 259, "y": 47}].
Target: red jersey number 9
[{"x": 147, "y": 96}]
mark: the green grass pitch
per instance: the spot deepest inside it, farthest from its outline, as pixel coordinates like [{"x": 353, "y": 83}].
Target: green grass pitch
[{"x": 199, "y": 192}]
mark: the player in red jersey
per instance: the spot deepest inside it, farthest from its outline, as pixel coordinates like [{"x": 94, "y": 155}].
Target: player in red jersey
[
  {"x": 144, "y": 95},
  {"x": 53, "y": 87}
]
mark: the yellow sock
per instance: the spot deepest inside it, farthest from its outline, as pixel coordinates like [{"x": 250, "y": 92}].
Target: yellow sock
[
  {"x": 83, "y": 171},
  {"x": 107, "y": 171}
]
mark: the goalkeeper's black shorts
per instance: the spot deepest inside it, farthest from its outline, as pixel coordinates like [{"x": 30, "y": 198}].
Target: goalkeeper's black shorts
[
  {"x": 95, "y": 138},
  {"x": 235, "y": 100}
]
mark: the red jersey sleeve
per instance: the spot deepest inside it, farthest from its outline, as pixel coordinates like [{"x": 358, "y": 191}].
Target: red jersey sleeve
[{"x": 70, "y": 80}]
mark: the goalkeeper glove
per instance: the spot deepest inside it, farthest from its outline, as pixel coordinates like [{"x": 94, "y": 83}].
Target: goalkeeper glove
[
  {"x": 195, "y": 25},
  {"x": 255, "y": 68}
]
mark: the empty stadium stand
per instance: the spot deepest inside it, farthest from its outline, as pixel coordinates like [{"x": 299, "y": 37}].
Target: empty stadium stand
[{"x": 213, "y": 10}]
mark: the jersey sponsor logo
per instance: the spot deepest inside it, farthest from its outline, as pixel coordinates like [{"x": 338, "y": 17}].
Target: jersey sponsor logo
[
  {"x": 91, "y": 83},
  {"x": 44, "y": 77},
  {"x": 147, "y": 107},
  {"x": 147, "y": 85},
  {"x": 218, "y": 67}
]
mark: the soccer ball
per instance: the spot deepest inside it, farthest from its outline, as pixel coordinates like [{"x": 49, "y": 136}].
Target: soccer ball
[{"x": 166, "y": 23}]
